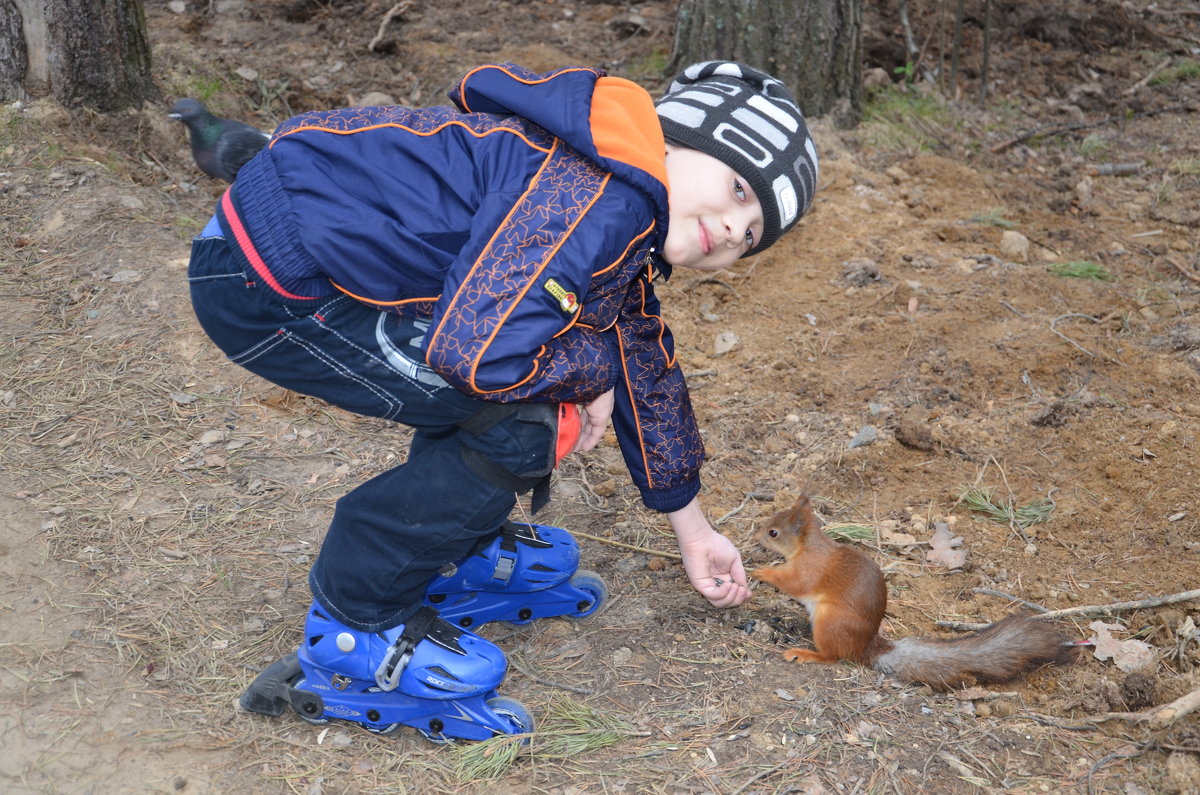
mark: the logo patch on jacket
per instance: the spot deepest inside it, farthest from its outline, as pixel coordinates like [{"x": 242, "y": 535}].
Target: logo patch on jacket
[{"x": 567, "y": 300}]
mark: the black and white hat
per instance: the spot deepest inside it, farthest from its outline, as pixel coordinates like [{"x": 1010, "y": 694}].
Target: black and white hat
[{"x": 749, "y": 121}]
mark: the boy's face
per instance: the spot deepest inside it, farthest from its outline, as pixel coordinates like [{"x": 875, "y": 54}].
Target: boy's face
[{"x": 715, "y": 217}]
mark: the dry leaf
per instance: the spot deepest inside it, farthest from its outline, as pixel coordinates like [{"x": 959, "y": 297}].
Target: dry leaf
[
  {"x": 942, "y": 547},
  {"x": 1128, "y": 655},
  {"x": 897, "y": 539}
]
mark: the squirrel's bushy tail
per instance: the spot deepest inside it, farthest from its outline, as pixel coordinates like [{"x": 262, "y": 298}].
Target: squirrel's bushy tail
[{"x": 1004, "y": 651}]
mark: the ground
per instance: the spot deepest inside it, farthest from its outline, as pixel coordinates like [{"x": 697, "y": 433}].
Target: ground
[{"x": 994, "y": 312}]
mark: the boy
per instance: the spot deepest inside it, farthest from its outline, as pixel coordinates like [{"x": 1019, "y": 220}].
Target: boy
[{"x": 466, "y": 271}]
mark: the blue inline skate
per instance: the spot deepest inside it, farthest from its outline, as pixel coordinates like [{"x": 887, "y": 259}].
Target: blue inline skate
[
  {"x": 527, "y": 572},
  {"x": 425, "y": 673}
]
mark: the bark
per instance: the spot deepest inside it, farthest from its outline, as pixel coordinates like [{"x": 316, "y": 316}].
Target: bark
[
  {"x": 814, "y": 47},
  {"x": 93, "y": 53}
]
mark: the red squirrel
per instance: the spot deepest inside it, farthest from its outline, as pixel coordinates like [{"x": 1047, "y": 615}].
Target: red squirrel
[{"x": 844, "y": 593}]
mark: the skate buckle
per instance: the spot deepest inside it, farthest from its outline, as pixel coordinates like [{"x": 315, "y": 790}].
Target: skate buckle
[
  {"x": 387, "y": 675},
  {"x": 505, "y": 564}
]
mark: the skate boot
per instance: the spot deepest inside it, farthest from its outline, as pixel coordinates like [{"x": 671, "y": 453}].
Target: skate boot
[
  {"x": 528, "y": 572},
  {"x": 425, "y": 673}
]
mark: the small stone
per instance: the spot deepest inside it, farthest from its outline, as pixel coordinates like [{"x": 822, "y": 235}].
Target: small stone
[
  {"x": 864, "y": 437},
  {"x": 913, "y": 430},
  {"x": 725, "y": 342},
  {"x": 1014, "y": 246},
  {"x": 1183, "y": 772}
]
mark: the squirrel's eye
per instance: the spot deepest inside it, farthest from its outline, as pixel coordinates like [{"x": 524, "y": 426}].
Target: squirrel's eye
[{"x": 773, "y": 533}]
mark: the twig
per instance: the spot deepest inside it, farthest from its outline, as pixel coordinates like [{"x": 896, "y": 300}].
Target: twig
[
  {"x": 623, "y": 545},
  {"x": 958, "y": 29},
  {"x": 750, "y": 495},
  {"x": 515, "y": 663},
  {"x": 1181, "y": 269},
  {"x": 1081, "y": 125},
  {"x": 987, "y": 51},
  {"x": 1133, "y": 89},
  {"x": 760, "y": 775},
  {"x": 910, "y": 45},
  {"x": 1161, "y": 716},
  {"x": 1117, "y": 170},
  {"x": 1068, "y": 339},
  {"x": 1097, "y": 610},
  {"x": 1133, "y": 753},
  {"x": 1023, "y": 602},
  {"x": 394, "y": 11}
]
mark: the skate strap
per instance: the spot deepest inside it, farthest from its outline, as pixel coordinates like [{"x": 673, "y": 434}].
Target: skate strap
[
  {"x": 537, "y": 482},
  {"x": 486, "y": 417},
  {"x": 510, "y": 534},
  {"x": 527, "y": 534},
  {"x": 505, "y": 478},
  {"x": 506, "y": 560},
  {"x": 416, "y": 629}
]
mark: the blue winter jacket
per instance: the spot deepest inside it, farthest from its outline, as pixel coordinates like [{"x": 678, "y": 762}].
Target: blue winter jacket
[{"x": 523, "y": 222}]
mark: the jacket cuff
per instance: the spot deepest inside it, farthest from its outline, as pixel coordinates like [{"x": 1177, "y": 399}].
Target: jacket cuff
[{"x": 672, "y": 499}]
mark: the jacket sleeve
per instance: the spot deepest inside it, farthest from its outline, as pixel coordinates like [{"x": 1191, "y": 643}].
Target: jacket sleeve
[
  {"x": 506, "y": 326},
  {"x": 653, "y": 418}
]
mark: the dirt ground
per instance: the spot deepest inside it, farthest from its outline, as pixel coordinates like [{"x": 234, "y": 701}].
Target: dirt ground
[{"x": 160, "y": 508}]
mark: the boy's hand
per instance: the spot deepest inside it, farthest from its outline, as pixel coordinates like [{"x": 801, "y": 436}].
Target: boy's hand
[
  {"x": 713, "y": 564},
  {"x": 595, "y": 419}
]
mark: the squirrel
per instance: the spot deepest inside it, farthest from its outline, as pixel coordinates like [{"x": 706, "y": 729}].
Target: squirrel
[{"x": 844, "y": 593}]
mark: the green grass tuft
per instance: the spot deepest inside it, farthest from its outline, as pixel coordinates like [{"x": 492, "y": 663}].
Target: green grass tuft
[
  {"x": 1092, "y": 145},
  {"x": 570, "y": 728},
  {"x": 849, "y": 531},
  {"x": 979, "y": 499},
  {"x": 993, "y": 218},
  {"x": 1186, "y": 69},
  {"x": 1081, "y": 269},
  {"x": 906, "y": 120}
]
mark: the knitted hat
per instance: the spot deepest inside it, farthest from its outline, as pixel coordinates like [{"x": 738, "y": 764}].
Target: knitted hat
[{"x": 749, "y": 121}]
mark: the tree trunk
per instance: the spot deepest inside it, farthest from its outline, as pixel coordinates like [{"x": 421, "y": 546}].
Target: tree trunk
[
  {"x": 814, "y": 47},
  {"x": 79, "y": 52}
]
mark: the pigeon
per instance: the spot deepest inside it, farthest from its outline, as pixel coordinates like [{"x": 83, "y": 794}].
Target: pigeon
[{"x": 219, "y": 146}]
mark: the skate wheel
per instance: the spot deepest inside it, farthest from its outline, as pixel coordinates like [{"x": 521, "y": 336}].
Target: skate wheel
[
  {"x": 307, "y": 710},
  {"x": 513, "y": 713},
  {"x": 437, "y": 738},
  {"x": 593, "y": 584},
  {"x": 513, "y": 716},
  {"x": 385, "y": 731}
]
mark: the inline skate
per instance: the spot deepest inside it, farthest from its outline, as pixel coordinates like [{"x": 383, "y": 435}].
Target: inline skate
[
  {"x": 426, "y": 673},
  {"x": 529, "y": 571}
]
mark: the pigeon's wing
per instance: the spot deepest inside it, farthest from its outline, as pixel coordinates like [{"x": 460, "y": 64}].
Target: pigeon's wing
[{"x": 237, "y": 144}]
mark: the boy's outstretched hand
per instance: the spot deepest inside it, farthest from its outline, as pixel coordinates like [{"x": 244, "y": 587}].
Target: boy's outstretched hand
[{"x": 713, "y": 564}]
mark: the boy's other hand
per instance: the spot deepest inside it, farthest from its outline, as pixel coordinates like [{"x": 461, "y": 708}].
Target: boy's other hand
[{"x": 595, "y": 420}]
